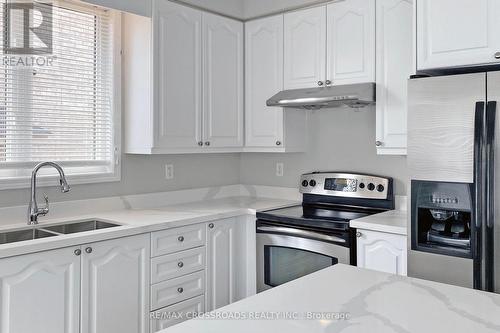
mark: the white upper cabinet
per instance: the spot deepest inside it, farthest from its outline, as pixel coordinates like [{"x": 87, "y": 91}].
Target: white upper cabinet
[
  {"x": 223, "y": 75},
  {"x": 40, "y": 293},
  {"x": 330, "y": 45},
  {"x": 268, "y": 129},
  {"x": 351, "y": 42},
  {"x": 454, "y": 33},
  {"x": 182, "y": 81},
  {"x": 394, "y": 67},
  {"x": 177, "y": 58},
  {"x": 305, "y": 48},
  {"x": 264, "y": 78}
]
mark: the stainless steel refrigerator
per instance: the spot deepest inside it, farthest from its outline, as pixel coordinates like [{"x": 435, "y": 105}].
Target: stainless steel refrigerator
[{"x": 453, "y": 161}]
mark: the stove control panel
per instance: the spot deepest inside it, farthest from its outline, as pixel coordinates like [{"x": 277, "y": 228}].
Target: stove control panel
[{"x": 346, "y": 185}]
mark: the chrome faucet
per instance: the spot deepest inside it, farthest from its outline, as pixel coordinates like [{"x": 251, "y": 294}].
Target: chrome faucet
[{"x": 33, "y": 210}]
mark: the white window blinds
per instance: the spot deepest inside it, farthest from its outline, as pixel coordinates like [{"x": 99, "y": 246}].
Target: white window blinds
[{"x": 59, "y": 107}]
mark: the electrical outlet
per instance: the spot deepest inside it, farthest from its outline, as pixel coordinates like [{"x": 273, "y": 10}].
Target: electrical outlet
[
  {"x": 169, "y": 171},
  {"x": 279, "y": 169}
]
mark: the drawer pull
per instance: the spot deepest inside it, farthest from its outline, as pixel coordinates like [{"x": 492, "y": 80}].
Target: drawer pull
[
  {"x": 181, "y": 239},
  {"x": 180, "y": 290},
  {"x": 180, "y": 264}
]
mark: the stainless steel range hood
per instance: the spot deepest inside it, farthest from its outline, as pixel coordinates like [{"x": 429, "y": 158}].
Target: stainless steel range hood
[{"x": 352, "y": 95}]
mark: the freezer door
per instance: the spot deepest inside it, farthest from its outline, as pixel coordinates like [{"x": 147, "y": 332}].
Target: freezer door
[
  {"x": 492, "y": 231},
  {"x": 441, "y": 126}
]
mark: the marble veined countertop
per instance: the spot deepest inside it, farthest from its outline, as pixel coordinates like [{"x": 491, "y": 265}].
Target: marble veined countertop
[
  {"x": 353, "y": 300},
  {"x": 135, "y": 221},
  {"x": 393, "y": 221}
]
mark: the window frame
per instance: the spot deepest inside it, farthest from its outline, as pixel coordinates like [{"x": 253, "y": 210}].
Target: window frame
[{"x": 43, "y": 180}]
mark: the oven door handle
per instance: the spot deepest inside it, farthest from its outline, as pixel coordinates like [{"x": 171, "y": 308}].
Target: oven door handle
[{"x": 303, "y": 233}]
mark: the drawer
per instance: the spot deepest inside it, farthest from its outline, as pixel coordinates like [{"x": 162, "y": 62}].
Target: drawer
[
  {"x": 178, "y": 239},
  {"x": 177, "y": 264},
  {"x": 177, "y": 290},
  {"x": 177, "y": 313}
]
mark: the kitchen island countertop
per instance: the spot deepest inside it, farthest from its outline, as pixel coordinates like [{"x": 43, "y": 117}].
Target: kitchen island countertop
[{"x": 353, "y": 300}]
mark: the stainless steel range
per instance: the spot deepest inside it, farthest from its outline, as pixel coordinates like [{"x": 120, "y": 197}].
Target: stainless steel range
[{"x": 299, "y": 240}]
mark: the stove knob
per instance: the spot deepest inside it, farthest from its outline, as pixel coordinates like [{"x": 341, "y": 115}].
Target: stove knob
[
  {"x": 305, "y": 183},
  {"x": 380, "y": 188},
  {"x": 371, "y": 186},
  {"x": 362, "y": 185},
  {"x": 312, "y": 183}
]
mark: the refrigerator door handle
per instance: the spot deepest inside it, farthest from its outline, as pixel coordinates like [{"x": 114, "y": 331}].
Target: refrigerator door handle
[
  {"x": 489, "y": 200},
  {"x": 479, "y": 129}
]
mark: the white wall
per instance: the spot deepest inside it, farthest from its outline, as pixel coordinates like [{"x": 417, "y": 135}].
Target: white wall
[
  {"x": 234, "y": 8},
  {"x": 140, "y": 7},
  {"x": 339, "y": 140},
  {"x": 253, "y": 8},
  {"x": 146, "y": 174}
]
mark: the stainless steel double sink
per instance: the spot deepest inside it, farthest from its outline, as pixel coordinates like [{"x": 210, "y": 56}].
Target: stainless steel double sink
[{"x": 38, "y": 232}]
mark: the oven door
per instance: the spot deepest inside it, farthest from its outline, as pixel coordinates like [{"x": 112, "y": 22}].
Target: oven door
[{"x": 287, "y": 253}]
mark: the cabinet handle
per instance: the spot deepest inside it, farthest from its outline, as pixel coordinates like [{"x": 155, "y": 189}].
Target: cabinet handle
[
  {"x": 180, "y": 290},
  {"x": 358, "y": 234},
  {"x": 180, "y": 238},
  {"x": 378, "y": 143},
  {"x": 78, "y": 252},
  {"x": 207, "y": 143},
  {"x": 88, "y": 250},
  {"x": 328, "y": 82},
  {"x": 497, "y": 55},
  {"x": 278, "y": 143},
  {"x": 200, "y": 143},
  {"x": 211, "y": 225},
  {"x": 180, "y": 264},
  {"x": 320, "y": 83}
]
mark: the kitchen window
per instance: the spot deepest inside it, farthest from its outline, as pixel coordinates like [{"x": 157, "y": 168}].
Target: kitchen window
[{"x": 62, "y": 106}]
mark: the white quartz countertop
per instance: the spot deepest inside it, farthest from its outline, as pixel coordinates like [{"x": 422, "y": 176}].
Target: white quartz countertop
[
  {"x": 394, "y": 221},
  {"x": 352, "y": 300},
  {"x": 136, "y": 221}
]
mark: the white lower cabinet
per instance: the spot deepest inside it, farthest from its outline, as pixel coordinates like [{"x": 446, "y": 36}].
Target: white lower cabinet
[
  {"x": 382, "y": 251},
  {"x": 115, "y": 275},
  {"x": 40, "y": 292},
  {"x": 177, "y": 290},
  {"x": 226, "y": 262},
  {"x": 199, "y": 268},
  {"x": 177, "y": 313},
  {"x": 79, "y": 289}
]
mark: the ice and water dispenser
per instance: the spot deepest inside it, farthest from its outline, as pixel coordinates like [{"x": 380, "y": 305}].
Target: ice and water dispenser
[{"x": 442, "y": 218}]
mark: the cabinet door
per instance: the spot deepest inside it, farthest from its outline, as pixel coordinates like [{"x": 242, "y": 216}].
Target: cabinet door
[
  {"x": 40, "y": 293},
  {"x": 305, "y": 48},
  {"x": 226, "y": 263},
  {"x": 223, "y": 76},
  {"x": 115, "y": 286},
  {"x": 457, "y": 33},
  {"x": 264, "y": 78},
  {"x": 351, "y": 42},
  {"x": 394, "y": 67},
  {"x": 177, "y": 74},
  {"x": 382, "y": 252}
]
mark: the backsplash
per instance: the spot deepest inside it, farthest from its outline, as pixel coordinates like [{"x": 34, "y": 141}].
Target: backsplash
[{"x": 339, "y": 140}]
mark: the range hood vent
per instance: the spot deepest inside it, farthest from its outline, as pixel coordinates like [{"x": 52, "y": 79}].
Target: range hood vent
[{"x": 352, "y": 95}]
